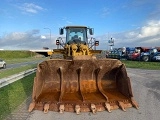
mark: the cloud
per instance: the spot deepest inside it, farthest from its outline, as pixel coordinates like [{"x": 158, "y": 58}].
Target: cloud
[
  {"x": 43, "y": 37},
  {"x": 155, "y": 13},
  {"x": 26, "y": 40},
  {"x": 151, "y": 29},
  {"x": 31, "y": 8},
  {"x": 66, "y": 21},
  {"x": 104, "y": 12},
  {"x": 147, "y": 36}
]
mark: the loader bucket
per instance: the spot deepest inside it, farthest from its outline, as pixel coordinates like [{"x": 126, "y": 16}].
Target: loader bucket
[{"x": 81, "y": 86}]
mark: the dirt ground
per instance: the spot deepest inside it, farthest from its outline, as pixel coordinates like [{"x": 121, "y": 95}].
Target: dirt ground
[{"x": 146, "y": 90}]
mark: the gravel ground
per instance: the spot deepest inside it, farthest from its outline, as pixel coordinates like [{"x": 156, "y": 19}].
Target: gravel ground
[{"x": 146, "y": 90}]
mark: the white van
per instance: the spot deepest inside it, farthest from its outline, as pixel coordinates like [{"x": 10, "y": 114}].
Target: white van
[{"x": 2, "y": 64}]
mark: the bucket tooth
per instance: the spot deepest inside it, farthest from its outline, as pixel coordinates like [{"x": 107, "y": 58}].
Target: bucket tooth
[
  {"x": 122, "y": 105},
  {"x": 93, "y": 108},
  {"x": 100, "y": 107},
  {"x": 77, "y": 109},
  {"x": 135, "y": 104},
  {"x": 31, "y": 106},
  {"x": 108, "y": 107},
  {"x": 61, "y": 109},
  {"x": 46, "y": 108}
]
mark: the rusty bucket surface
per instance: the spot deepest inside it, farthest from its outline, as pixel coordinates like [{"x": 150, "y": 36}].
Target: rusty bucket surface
[{"x": 81, "y": 86}]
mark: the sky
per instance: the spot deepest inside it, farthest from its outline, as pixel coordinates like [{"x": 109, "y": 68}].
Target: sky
[{"x": 130, "y": 23}]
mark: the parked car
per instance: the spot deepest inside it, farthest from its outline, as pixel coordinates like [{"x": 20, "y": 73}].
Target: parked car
[
  {"x": 152, "y": 55},
  {"x": 138, "y": 53},
  {"x": 2, "y": 64},
  {"x": 129, "y": 52}
]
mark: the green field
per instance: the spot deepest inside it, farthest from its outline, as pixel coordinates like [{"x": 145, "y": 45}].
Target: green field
[
  {"x": 10, "y": 54},
  {"x": 11, "y": 57},
  {"x": 142, "y": 65},
  {"x": 11, "y": 96}
]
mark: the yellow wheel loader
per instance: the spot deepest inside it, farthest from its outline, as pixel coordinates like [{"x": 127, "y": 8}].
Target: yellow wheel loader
[{"x": 79, "y": 81}]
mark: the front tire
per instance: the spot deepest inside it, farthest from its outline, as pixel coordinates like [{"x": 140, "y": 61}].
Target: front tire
[{"x": 4, "y": 66}]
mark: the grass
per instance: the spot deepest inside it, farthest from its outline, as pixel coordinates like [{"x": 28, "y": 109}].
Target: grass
[
  {"x": 11, "y": 96},
  {"x": 17, "y": 56},
  {"x": 19, "y": 60},
  {"x": 10, "y": 54},
  {"x": 142, "y": 65},
  {"x": 9, "y": 72}
]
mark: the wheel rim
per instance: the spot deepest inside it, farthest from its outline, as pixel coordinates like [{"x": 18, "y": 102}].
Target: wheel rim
[{"x": 146, "y": 58}]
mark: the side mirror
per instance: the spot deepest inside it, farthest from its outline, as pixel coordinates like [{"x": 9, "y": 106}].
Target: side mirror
[
  {"x": 96, "y": 43},
  {"x": 61, "y": 31},
  {"x": 91, "y": 31},
  {"x": 57, "y": 42}
]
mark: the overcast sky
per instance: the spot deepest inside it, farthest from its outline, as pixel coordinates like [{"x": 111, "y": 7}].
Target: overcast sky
[{"x": 130, "y": 22}]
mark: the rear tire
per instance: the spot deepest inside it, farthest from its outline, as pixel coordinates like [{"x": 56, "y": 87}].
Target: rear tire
[{"x": 145, "y": 58}]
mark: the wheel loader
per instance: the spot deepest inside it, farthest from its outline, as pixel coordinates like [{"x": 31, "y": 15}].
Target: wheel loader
[{"x": 79, "y": 80}]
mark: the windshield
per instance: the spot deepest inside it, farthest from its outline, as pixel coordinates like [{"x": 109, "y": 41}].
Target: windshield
[{"x": 76, "y": 34}]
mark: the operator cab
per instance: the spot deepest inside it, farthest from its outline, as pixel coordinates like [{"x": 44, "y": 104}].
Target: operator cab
[{"x": 76, "y": 34}]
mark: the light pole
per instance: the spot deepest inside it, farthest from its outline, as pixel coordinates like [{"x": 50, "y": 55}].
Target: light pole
[{"x": 50, "y": 32}]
